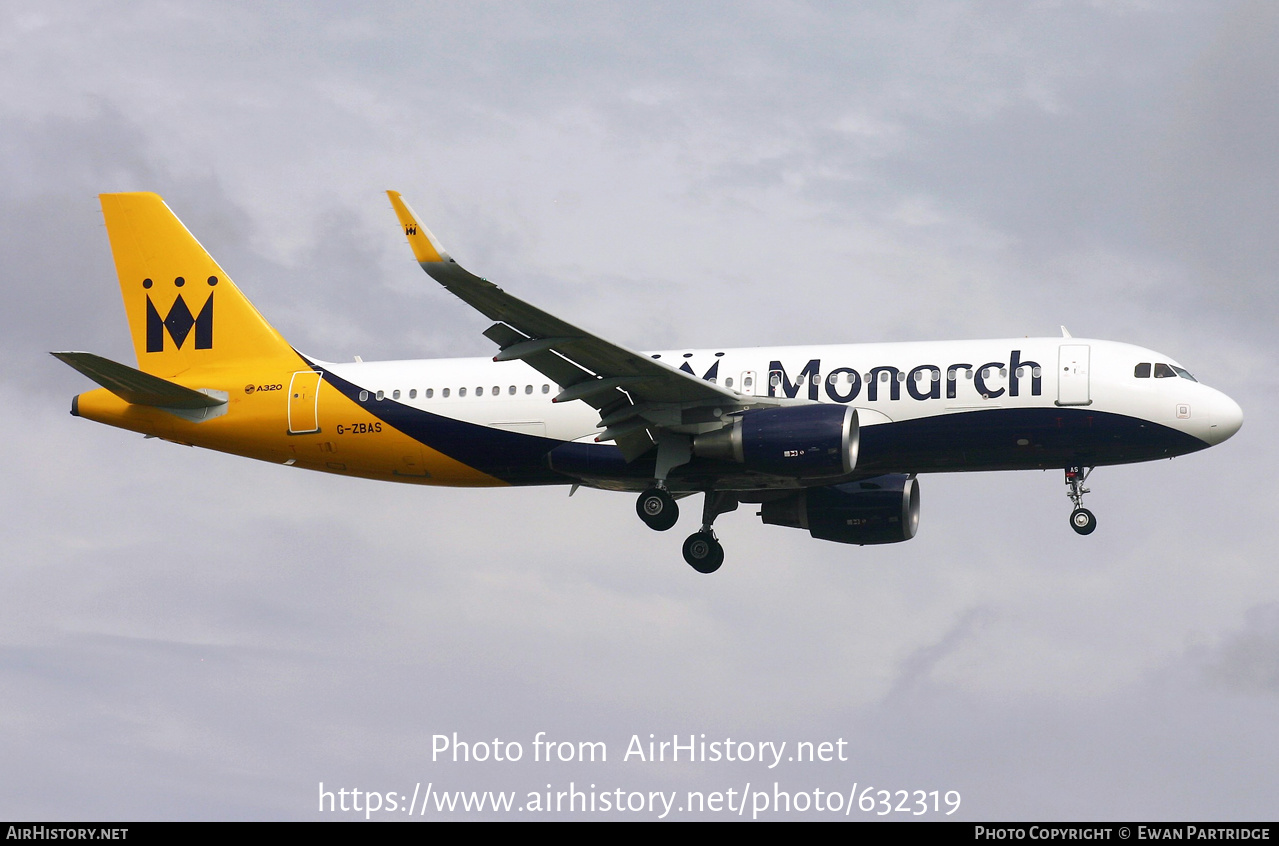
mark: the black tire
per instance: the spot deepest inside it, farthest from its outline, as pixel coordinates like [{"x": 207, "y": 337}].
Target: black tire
[
  {"x": 657, "y": 509},
  {"x": 1082, "y": 521},
  {"x": 703, "y": 553}
]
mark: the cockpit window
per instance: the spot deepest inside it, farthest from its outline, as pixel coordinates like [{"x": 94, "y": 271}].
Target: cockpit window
[
  {"x": 1142, "y": 371},
  {"x": 1185, "y": 374},
  {"x": 1163, "y": 371}
]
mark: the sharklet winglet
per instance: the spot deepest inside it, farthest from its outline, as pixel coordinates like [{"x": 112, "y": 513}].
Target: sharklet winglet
[{"x": 426, "y": 249}]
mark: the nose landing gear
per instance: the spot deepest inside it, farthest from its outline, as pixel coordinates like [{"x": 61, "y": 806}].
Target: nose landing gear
[{"x": 1081, "y": 519}]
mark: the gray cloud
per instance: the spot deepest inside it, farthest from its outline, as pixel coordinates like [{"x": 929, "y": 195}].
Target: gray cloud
[
  {"x": 1249, "y": 660},
  {"x": 189, "y": 635}
]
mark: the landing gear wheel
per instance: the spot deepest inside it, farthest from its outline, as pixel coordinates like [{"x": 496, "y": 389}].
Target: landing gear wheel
[
  {"x": 657, "y": 509},
  {"x": 1082, "y": 521},
  {"x": 703, "y": 553}
]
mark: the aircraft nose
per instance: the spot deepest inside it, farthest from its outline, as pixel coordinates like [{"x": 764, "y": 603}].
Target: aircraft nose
[{"x": 1227, "y": 417}]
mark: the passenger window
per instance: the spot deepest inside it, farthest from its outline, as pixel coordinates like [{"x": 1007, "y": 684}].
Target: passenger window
[
  {"x": 1142, "y": 371},
  {"x": 747, "y": 382},
  {"x": 528, "y": 389},
  {"x": 461, "y": 392},
  {"x": 497, "y": 390},
  {"x": 364, "y": 396},
  {"x": 512, "y": 391},
  {"x": 412, "y": 393},
  {"x": 430, "y": 392},
  {"x": 479, "y": 392},
  {"x": 1163, "y": 371},
  {"x": 395, "y": 394},
  {"x": 378, "y": 396},
  {"x": 445, "y": 393},
  {"x": 546, "y": 389},
  {"x": 728, "y": 382}
]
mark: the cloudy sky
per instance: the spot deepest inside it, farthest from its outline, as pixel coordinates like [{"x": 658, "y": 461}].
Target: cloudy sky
[{"x": 187, "y": 635}]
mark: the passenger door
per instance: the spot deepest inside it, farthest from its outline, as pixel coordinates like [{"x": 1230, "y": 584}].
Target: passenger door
[
  {"x": 304, "y": 396},
  {"x": 1072, "y": 375}
]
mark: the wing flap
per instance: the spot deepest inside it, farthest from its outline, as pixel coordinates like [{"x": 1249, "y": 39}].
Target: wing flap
[{"x": 558, "y": 369}]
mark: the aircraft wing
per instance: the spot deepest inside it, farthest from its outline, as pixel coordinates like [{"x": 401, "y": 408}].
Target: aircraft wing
[{"x": 587, "y": 367}]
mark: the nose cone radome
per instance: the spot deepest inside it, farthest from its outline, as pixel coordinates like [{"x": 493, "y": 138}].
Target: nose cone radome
[{"x": 1227, "y": 417}]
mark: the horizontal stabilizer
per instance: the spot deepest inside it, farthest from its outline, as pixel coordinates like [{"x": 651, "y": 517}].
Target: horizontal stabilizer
[{"x": 134, "y": 386}]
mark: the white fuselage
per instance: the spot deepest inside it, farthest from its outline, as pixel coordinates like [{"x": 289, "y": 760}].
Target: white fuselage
[{"x": 887, "y": 383}]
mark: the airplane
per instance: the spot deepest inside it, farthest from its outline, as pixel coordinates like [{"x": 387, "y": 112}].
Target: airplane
[{"x": 830, "y": 439}]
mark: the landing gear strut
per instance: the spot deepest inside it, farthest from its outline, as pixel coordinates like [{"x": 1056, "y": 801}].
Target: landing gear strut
[
  {"x": 657, "y": 508},
  {"x": 702, "y": 550},
  {"x": 1081, "y": 519}
]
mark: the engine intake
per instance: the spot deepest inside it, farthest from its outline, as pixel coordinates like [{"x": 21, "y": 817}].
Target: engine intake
[
  {"x": 884, "y": 509},
  {"x": 800, "y": 442}
]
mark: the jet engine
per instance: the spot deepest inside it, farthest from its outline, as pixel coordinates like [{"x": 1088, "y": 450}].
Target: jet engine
[
  {"x": 884, "y": 509},
  {"x": 800, "y": 442}
]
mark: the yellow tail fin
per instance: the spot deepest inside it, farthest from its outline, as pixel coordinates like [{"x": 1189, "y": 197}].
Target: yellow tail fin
[{"x": 184, "y": 311}]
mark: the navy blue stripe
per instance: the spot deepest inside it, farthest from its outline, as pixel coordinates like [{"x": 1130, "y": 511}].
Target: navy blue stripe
[
  {"x": 510, "y": 456},
  {"x": 975, "y": 440},
  {"x": 989, "y": 440}
]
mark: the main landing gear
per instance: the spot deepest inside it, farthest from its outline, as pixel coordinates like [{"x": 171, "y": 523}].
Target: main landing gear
[
  {"x": 1081, "y": 519},
  {"x": 702, "y": 550},
  {"x": 657, "y": 508}
]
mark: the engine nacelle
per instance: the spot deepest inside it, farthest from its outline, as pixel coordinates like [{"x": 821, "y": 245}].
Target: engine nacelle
[
  {"x": 884, "y": 509},
  {"x": 799, "y": 442}
]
